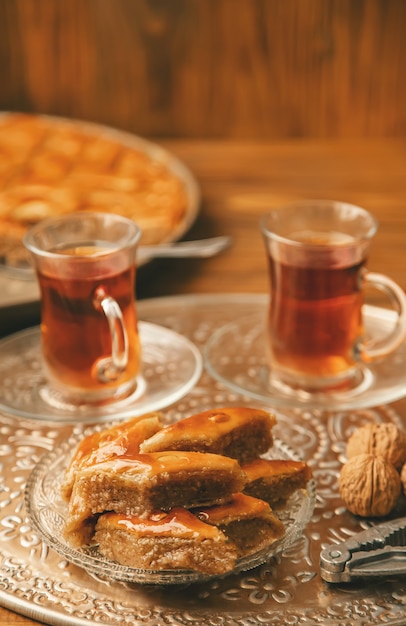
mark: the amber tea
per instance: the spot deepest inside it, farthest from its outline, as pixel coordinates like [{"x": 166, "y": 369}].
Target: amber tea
[
  {"x": 86, "y": 270},
  {"x": 317, "y": 254},
  {"x": 76, "y": 336},
  {"x": 315, "y": 317}
]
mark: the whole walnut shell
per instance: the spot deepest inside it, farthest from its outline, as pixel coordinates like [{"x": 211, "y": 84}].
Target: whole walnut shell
[
  {"x": 403, "y": 478},
  {"x": 369, "y": 485},
  {"x": 385, "y": 440}
]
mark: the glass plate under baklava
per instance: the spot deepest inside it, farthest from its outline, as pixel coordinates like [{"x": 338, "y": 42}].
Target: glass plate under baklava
[{"x": 47, "y": 512}]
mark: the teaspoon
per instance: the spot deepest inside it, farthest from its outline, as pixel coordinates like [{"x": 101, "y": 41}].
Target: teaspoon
[{"x": 199, "y": 248}]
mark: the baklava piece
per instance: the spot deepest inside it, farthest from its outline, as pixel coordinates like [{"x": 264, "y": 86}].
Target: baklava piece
[
  {"x": 123, "y": 439},
  {"x": 275, "y": 480},
  {"x": 248, "y": 522},
  {"x": 165, "y": 541},
  {"x": 240, "y": 433},
  {"x": 148, "y": 482}
]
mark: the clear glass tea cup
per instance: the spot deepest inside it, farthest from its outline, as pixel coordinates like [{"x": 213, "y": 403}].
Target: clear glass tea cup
[
  {"x": 85, "y": 264},
  {"x": 317, "y": 252}
]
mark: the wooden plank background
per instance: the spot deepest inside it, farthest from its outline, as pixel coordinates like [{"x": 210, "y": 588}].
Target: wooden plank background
[{"x": 210, "y": 68}]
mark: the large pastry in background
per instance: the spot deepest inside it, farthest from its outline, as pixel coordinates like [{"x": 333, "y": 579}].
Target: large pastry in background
[{"x": 51, "y": 166}]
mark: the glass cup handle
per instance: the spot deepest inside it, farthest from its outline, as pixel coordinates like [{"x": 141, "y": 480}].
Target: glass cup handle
[
  {"x": 372, "y": 350},
  {"x": 110, "y": 368}
]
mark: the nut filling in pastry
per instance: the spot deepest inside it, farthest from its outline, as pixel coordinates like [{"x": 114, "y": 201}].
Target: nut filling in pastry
[{"x": 174, "y": 540}]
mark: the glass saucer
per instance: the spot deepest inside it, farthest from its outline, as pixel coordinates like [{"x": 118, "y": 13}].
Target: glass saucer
[
  {"x": 171, "y": 365},
  {"x": 236, "y": 355},
  {"x": 47, "y": 514}
]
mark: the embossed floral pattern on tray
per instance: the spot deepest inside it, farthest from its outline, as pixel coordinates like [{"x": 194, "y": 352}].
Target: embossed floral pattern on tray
[{"x": 38, "y": 582}]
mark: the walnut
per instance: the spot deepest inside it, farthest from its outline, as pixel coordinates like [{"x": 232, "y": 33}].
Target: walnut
[
  {"x": 369, "y": 485},
  {"x": 403, "y": 478},
  {"x": 385, "y": 440}
]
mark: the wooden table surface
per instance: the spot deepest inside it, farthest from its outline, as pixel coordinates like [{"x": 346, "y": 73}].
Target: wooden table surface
[{"x": 240, "y": 181}]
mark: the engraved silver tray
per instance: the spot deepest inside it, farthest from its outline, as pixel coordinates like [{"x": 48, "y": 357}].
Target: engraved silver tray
[{"x": 287, "y": 590}]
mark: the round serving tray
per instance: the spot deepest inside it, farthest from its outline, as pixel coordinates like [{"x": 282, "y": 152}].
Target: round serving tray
[{"x": 38, "y": 582}]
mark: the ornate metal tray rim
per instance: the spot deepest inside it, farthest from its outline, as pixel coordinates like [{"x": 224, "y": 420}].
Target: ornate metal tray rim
[{"x": 37, "y": 584}]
